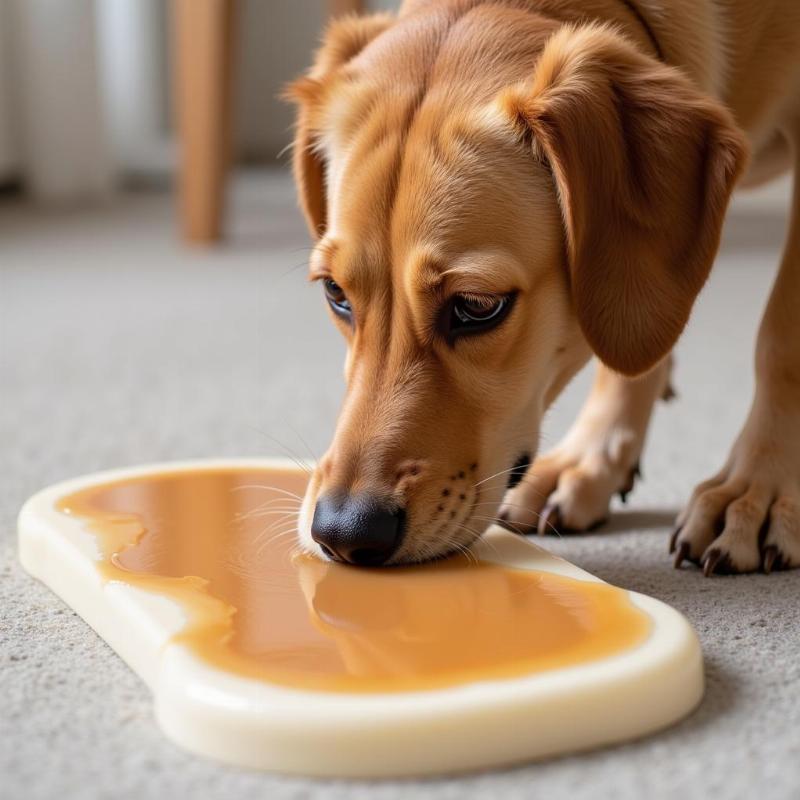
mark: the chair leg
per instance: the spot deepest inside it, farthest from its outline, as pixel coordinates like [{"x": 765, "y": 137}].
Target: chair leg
[{"x": 203, "y": 31}]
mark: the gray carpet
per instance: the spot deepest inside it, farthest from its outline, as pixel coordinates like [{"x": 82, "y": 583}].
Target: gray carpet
[{"x": 119, "y": 346}]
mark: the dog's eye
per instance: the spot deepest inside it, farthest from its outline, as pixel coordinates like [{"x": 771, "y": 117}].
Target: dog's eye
[
  {"x": 337, "y": 299},
  {"x": 475, "y": 314}
]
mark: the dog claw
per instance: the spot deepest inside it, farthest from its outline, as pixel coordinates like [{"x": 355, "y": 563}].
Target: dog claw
[
  {"x": 550, "y": 520},
  {"x": 669, "y": 393},
  {"x": 673, "y": 540},
  {"x": 770, "y": 557},
  {"x": 635, "y": 473},
  {"x": 712, "y": 560},
  {"x": 681, "y": 555}
]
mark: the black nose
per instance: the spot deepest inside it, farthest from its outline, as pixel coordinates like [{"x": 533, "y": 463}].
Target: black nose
[{"x": 360, "y": 529}]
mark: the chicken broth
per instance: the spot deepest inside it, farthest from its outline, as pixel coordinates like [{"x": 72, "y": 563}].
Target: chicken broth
[{"x": 222, "y": 542}]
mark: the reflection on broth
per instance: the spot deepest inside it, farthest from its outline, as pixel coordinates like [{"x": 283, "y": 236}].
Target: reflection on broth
[{"x": 221, "y": 542}]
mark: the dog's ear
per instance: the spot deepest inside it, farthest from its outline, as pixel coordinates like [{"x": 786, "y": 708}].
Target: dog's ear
[
  {"x": 644, "y": 165},
  {"x": 344, "y": 38}
]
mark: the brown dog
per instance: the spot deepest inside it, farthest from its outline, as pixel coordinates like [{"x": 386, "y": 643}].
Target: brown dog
[{"x": 499, "y": 189}]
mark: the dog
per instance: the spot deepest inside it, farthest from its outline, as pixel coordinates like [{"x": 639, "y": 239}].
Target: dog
[{"x": 500, "y": 190}]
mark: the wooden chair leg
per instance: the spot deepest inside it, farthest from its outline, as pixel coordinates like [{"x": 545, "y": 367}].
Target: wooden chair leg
[{"x": 203, "y": 32}]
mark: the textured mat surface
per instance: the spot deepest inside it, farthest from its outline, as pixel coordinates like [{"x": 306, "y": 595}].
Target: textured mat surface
[{"x": 119, "y": 347}]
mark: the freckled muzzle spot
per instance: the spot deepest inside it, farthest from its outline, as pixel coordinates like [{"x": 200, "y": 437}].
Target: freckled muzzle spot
[{"x": 439, "y": 521}]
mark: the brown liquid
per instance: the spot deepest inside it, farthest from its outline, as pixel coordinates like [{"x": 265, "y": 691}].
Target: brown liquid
[{"x": 222, "y": 542}]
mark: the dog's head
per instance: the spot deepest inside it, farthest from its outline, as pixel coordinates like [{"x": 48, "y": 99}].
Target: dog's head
[{"x": 493, "y": 200}]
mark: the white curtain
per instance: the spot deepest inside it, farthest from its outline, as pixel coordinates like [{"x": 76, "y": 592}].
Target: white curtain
[
  {"x": 9, "y": 153},
  {"x": 133, "y": 53},
  {"x": 81, "y": 94}
]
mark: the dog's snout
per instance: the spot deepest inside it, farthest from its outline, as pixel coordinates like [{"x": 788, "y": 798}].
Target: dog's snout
[{"x": 361, "y": 530}]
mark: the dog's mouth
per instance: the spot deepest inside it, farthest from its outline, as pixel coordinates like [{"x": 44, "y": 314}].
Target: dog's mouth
[{"x": 451, "y": 513}]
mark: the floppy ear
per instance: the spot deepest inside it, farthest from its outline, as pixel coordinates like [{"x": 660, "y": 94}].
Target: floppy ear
[
  {"x": 644, "y": 165},
  {"x": 344, "y": 38}
]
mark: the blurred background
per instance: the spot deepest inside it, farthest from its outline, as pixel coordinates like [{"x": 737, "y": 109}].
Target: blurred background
[{"x": 91, "y": 91}]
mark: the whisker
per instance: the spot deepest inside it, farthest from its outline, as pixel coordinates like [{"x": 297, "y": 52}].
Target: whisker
[
  {"x": 263, "y": 540},
  {"x": 284, "y": 150},
  {"x": 280, "y": 502},
  {"x": 279, "y": 512},
  {"x": 275, "y": 528},
  {"x": 287, "y": 450},
  {"x": 241, "y": 516},
  {"x": 519, "y": 506},
  {"x": 507, "y": 524},
  {"x": 502, "y": 523},
  {"x": 283, "y": 504},
  {"x": 266, "y": 488},
  {"x": 496, "y": 474},
  {"x": 292, "y": 269},
  {"x": 465, "y": 548},
  {"x": 284, "y": 499},
  {"x": 501, "y": 503},
  {"x": 491, "y": 545},
  {"x": 270, "y": 541},
  {"x": 305, "y": 443},
  {"x": 528, "y": 487},
  {"x": 300, "y": 550},
  {"x": 284, "y": 518}
]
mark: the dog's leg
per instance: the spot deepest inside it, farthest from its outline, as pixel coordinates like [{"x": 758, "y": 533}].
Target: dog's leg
[
  {"x": 748, "y": 516},
  {"x": 570, "y": 487}
]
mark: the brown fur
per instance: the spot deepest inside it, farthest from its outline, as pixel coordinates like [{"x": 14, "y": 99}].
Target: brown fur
[
  {"x": 537, "y": 147},
  {"x": 644, "y": 165}
]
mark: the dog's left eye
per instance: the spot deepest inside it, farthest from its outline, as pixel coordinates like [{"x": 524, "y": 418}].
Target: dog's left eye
[
  {"x": 337, "y": 299},
  {"x": 475, "y": 314}
]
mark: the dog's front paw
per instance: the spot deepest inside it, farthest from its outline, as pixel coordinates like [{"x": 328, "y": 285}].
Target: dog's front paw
[
  {"x": 571, "y": 487},
  {"x": 563, "y": 492},
  {"x": 747, "y": 517}
]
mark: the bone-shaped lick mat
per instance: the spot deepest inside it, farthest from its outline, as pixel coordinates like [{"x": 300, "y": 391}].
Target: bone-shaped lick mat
[{"x": 264, "y": 657}]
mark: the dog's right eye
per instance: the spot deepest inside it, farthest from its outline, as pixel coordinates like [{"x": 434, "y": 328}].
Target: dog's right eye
[
  {"x": 465, "y": 314},
  {"x": 337, "y": 299}
]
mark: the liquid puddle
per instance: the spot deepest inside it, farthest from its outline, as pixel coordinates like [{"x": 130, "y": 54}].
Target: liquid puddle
[{"x": 222, "y": 543}]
